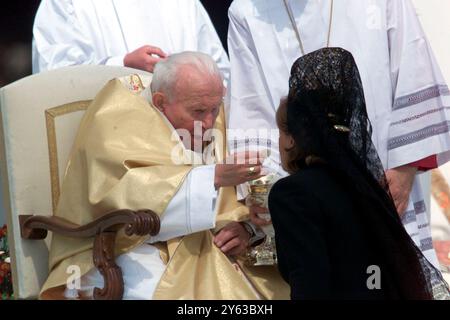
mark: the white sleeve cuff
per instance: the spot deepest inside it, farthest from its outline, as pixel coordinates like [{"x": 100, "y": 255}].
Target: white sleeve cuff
[
  {"x": 202, "y": 199},
  {"x": 193, "y": 207}
]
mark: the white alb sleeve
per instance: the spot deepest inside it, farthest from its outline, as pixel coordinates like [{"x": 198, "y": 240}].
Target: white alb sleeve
[{"x": 192, "y": 209}]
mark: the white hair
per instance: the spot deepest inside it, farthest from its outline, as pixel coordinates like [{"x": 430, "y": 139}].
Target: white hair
[{"x": 165, "y": 74}]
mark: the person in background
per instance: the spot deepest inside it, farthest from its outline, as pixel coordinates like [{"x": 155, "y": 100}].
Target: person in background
[
  {"x": 131, "y": 33},
  {"x": 406, "y": 95}
]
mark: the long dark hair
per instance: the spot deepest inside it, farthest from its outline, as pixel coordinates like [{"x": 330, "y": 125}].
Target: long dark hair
[{"x": 326, "y": 115}]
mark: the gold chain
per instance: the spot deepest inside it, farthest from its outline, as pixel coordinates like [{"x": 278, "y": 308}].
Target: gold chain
[{"x": 294, "y": 24}]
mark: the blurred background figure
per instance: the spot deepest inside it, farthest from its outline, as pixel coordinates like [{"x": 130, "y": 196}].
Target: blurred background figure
[
  {"x": 132, "y": 33},
  {"x": 434, "y": 17},
  {"x": 15, "y": 62},
  {"x": 16, "y": 21},
  {"x": 440, "y": 217},
  {"x": 18, "y": 17}
]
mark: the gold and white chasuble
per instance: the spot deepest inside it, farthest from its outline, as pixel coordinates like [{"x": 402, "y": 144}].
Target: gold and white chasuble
[{"x": 121, "y": 158}]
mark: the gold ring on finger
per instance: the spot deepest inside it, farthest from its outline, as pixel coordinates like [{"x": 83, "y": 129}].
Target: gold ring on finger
[{"x": 251, "y": 171}]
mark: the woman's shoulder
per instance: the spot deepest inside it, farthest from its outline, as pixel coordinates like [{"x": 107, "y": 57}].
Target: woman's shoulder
[
  {"x": 307, "y": 174},
  {"x": 297, "y": 196},
  {"x": 313, "y": 181},
  {"x": 294, "y": 181}
]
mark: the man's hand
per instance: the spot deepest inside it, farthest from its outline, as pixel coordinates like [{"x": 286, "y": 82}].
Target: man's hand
[
  {"x": 233, "y": 239},
  {"x": 239, "y": 168},
  {"x": 254, "y": 211},
  {"x": 144, "y": 58},
  {"x": 400, "y": 182}
]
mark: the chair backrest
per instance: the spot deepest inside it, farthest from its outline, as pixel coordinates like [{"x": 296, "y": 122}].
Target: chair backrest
[{"x": 40, "y": 116}]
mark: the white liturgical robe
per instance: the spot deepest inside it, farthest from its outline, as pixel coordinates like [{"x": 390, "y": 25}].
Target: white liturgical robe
[
  {"x": 72, "y": 32},
  {"x": 191, "y": 210},
  {"x": 407, "y": 99}
]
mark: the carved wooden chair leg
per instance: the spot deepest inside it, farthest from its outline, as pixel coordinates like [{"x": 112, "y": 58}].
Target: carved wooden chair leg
[{"x": 104, "y": 261}]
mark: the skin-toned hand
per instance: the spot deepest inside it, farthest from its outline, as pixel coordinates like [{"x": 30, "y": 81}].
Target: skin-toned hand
[
  {"x": 254, "y": 211},
  {"x": 238, "y": 168},
  {"x": 400, "y": 182},
  {"x": 145, "y": 58},
  {"x": 233, "y": 239}
]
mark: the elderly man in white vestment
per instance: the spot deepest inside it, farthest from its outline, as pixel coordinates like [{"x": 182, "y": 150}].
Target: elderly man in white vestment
[
  {"x": 408, "y": 101},
  {"x": 131, "y": 33},
  {"x": 126, "y": 155}
]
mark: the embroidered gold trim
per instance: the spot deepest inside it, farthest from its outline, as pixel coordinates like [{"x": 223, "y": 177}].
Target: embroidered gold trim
[
  {"x": 341, "y": 128},
  {"x": 50, "y": 116}
]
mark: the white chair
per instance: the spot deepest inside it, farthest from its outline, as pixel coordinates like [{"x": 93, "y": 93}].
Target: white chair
[{"x": 40, "y": 115}]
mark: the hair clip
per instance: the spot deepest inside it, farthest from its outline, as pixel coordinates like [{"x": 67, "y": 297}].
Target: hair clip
[{"x": 341, "y": 128}]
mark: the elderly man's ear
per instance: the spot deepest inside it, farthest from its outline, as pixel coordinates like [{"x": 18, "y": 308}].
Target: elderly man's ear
[{"x": 158, "y": 99}]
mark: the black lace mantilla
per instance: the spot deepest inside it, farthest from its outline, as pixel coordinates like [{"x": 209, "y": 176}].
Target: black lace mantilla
[{"x": 327, "y": 117}]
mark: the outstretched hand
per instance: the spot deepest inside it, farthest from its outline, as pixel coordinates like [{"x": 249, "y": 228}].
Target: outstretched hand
[{"x": 238, "y": 168}]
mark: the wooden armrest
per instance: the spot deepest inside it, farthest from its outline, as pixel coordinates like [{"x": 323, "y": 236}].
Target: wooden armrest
[
  {"x": 139, "y": 223},
  {"x": 104, "y": 229}
]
